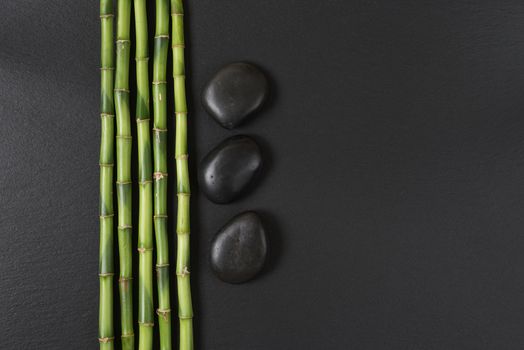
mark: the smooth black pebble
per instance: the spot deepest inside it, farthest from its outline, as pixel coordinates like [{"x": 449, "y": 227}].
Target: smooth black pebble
[
  {"x": 239, "y": 249},
  {"x": 236, "y": 91},
  {"x": 227, "y": 170}
]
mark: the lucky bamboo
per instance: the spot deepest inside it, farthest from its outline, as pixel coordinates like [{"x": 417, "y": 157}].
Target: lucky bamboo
[
  {"x": 145, "y": 216},
  {"x": 106, "y": 269},
  {"x": 160, "y": 168},
  {"x": 123, "y": 172},
  {"x": 185, "y": 308}
]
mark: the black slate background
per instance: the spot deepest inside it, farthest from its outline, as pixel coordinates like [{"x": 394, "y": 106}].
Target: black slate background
[{"x": 393, "y": 193}]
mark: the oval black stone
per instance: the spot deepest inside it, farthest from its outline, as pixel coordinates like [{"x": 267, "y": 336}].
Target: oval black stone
[
  {"x": 239, "y": 249},
  {"x": 227, "y": 170},
  {"x": 236, "y": 91}
]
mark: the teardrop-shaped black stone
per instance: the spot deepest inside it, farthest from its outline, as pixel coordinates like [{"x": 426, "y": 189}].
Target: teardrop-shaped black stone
[
  {"x": 239, "y": 249},
  {"x": 227, "y": 170},
  {"x": 236, "y": 91}
]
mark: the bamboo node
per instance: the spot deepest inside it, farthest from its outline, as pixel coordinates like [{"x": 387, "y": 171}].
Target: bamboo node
[
  {"x": 159, "y": 175},
  {"x": 124, "y": 227},
  {"x": 106, "y": 216},
  {"x": 163, "y": 312},
  {"x": 106, "y": 115},
  {"x": 127, "y": 335},
  {"x": 159, "y": 130},
  {"x": 121, "y": 90},
  {"x": 182, "y": 156},
  {"x": 125, "y": 279},
  {"x": 174, "y": 46},
  {"x": 146, "y": 324},
  {"x": 142, "y": 120},
  {"x": 158, "y": 82},
  {"x": 158, "y": 266},
  {"x": 124, "y": 137},
  {"x": 176, "y": 14},
  {"x": 184, "y": 194},
  {"x": 159, "y": 216},
  {"x": 122, "y": 41},
  {"x": 162, "y": 36},
  {"x": 107, "y": 68},
  {"x": 109, "y": 165},
  {"x": 180, "y": 232},
  {"x": 106, "y": 274},
  {"x": 107, "y": 15},
  {"x": 185, "y": 272},
  {"x": 145, "y": 182},
  {"x": 184, "y": 317},
  {"x": 106, "y": 340},
  {"x": 180, "y": 113},
  {"x": 124, "y": 182},
  {"x": 143, "y": 250}
]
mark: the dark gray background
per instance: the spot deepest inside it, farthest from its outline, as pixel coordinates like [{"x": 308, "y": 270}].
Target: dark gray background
[{"x": 393, "y": 192}]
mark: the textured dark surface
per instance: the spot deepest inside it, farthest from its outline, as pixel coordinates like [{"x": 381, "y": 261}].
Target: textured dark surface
[
  {"x": 394, "y": 192},
  {"x": 229, "y": 169},
  {"x": 239, "y": 249}
]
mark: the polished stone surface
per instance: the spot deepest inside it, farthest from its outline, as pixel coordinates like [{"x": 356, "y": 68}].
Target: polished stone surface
[
  {"x": 239, "y": 249},
  {"x": 234, "y": 93},
  {"x": 228, "y": 170}
]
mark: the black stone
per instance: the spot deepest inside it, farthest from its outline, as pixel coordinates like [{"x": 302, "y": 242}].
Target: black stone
[
  {"x": 227, "y": 170},
  {"x": 236, "y": 91},
  {"x": 239, "y": 249}
]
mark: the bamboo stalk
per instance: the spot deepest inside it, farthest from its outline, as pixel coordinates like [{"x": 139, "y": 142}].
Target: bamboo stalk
[
  {"x": 185, "y": 308},
  {"x": 106, "y": 269},
  {"x": 160, "y": 168},
  {"x": 123, "y": 172},
  {"x": 145, "y": 218}
]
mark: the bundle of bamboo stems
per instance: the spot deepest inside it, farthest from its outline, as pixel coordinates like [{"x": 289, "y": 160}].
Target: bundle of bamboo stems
[{"x": 115, "y": 101}]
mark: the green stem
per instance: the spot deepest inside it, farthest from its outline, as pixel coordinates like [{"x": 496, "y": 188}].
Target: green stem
[
  {"x": 185, "y": 308},
  {"x": 160, "y": 174},
  {"x": 145, "y": 216},
  {"x": 123, "y": 172},
  {"x": 106, "y": 269}
]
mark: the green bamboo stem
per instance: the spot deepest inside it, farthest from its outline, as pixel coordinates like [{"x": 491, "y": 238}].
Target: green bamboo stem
[
  {"x": 160, "y": 168},
  {"x": 145, "y": 218},
  {"x": 185, "y": 308},
  {"x": 106, "y": 269},
  {"x": 123, "y": 172}
]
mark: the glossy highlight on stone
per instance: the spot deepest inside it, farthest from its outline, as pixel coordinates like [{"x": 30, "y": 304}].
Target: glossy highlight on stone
[
  {"x": 227, "y": 171},
  {"x": 239, "y": 249},
  {"x": 235, "y": 92}
]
